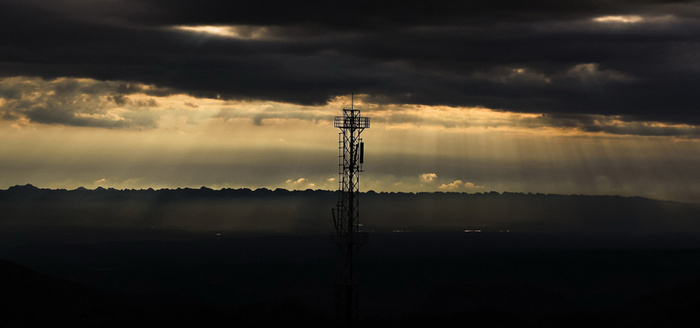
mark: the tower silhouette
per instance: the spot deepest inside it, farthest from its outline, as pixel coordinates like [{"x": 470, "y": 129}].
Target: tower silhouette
[{"x": 346, "y": 214}]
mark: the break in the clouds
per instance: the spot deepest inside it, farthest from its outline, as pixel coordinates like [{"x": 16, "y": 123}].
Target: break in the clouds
[{"x": 635, "y": 59}]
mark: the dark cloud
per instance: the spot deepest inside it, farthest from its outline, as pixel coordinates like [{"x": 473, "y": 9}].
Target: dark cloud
[
  {"x": 152, "y": 103},
  {"x": 373, "y": 14},
  {"x": 74, "y": 102},
  {"x": 67, "y": 117},
  {"x": 618, "y": 125},
  {"x": 538, "y": 56},
  {"x": 120, "y": 99},
  {"x": 191, "y": 105}
]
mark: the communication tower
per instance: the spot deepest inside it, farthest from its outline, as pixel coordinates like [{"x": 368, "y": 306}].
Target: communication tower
[{"x": 346, "y": 214}]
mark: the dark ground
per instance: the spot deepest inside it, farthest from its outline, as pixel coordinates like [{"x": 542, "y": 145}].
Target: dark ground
[
  {"x": 407, "y": 279},
  {"x": 201, "y": 257}
]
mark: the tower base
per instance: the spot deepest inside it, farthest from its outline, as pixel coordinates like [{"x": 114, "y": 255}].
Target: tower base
[{"x": 346, "y": 302}]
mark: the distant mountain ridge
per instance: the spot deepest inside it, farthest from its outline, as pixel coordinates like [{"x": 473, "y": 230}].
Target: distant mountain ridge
[{"x": 284, "y": 211}]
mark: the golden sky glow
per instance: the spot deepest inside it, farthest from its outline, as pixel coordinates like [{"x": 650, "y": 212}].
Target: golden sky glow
[
  {"x": 145, "y": 139},
  {"x": 229, "y": 31},
  {"x": 619, "y": 19},
  {"x": 630, "y": 20}
]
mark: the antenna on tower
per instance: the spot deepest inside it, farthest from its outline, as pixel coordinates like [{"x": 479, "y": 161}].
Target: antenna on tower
[{"x": 346, "y": 215}]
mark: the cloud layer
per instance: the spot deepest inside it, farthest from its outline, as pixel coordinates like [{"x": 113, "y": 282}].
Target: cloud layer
[
  {"x": 86, "y": 102},
  {"x": 635, "y": 59}
]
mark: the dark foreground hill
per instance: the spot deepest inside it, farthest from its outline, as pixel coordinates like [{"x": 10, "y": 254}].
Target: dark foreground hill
[
  {"x": 31, "y": 299},
  {"x": 305, "y": 212}
]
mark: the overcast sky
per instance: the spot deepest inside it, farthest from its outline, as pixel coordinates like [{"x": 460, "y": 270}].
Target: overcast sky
[{"x": 591, "y": 97}]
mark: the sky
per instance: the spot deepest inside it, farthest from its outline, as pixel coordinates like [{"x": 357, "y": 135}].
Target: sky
[{"x": 567, "y": 97}]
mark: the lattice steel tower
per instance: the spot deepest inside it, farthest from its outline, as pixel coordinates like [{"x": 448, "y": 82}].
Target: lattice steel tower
[{"x": 346, "y": 214}]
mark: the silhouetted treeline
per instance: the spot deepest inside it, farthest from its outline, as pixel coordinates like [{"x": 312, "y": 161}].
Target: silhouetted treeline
[{"x": 283, "y": 211}]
